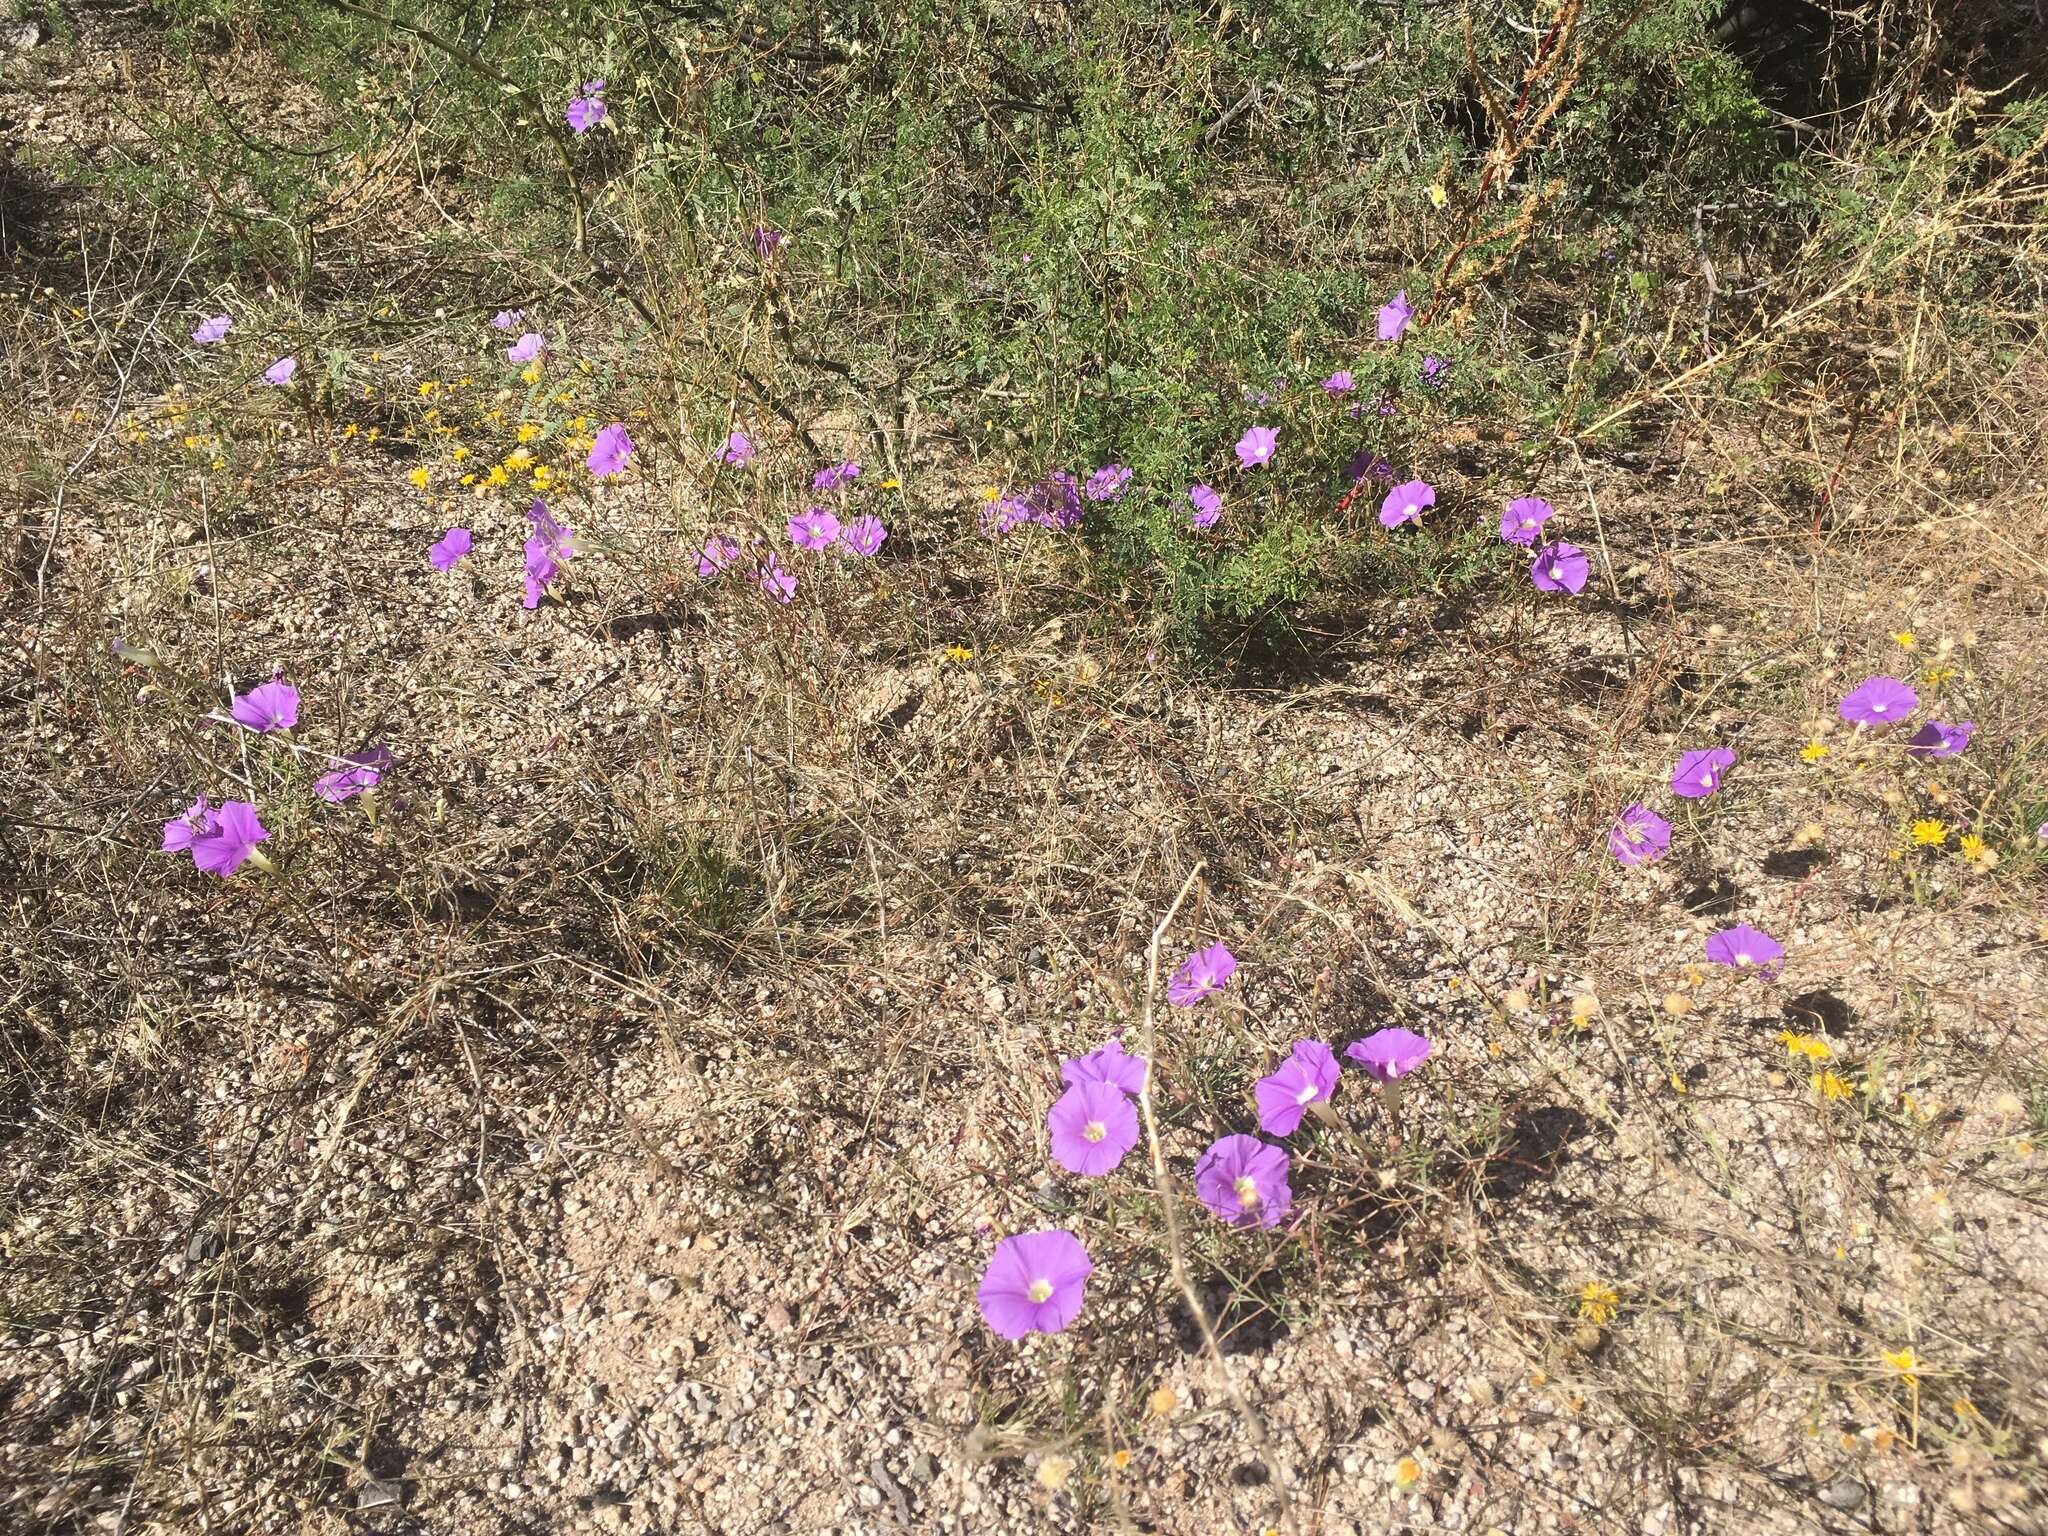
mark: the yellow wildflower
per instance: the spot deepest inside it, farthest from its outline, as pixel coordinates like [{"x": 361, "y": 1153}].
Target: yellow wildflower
[
  {"x": 1904, "y": 639},
  {"x": 1905, "y": 1362},
  {"x": 1598, "y": 1302},
  {"x": 1120, "y": 1458},
  {"x": 427, "y": 390},
  {"x": 543, "y": 477},
  {"x": 497, "y": 476},
  {"x": 1814, "y": 750},
  {"x": 459, "y": 452},
  {"x": 1929, "y": 833},
  {"x": 530, "y": 373},
  {"x": 1812, "y": 1047},
  {"x": 1973, "y": 847},
  {"x": 1162, "y": 1403},
  {"x": 1407, "y": 1472},
  {"x": 528, "y": 432},
  {"x": 1830, "y": 1085},
  {"x": 518, "y": 458},
  {"x": 892, "y": 484},
  {"x": 1936, "y": 676},
  {"x": 991, "y": 493},
  {"x": 958, "y": 653},
  {"x": 418, "y": 477}
]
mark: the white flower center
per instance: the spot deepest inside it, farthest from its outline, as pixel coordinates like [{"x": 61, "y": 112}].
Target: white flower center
[
  {"x": 1742, "y": 957},
  {"x": 1877, "y": 708},
  {"x": 1557, "y": 573},
  {"x": 1707, "y": 779},
  {"x": 1094, "y": 1130},
  {"x": 1246, "y": 1191},
  {"x": 1041, "y": 1291},
  {"x": 1308, "y": 1092}
]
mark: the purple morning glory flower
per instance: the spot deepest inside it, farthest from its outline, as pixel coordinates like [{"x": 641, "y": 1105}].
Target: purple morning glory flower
[
  {"x": 1034, "y": 1283},
  {"x": 813, "y": 528},
  {"x": 718, "y": 553},
  {"x": 212, "y": 330},
  {"x": 1003, "y": 514},
  {"x": 1257, "y": 446},
  {"x": 193, "y": 822},
  {"x": 1107, "y": 483},
  {"x": 584, "y": 113},
  {"x": 1699, "y": 774},
  {"x": 1639, "y": 836},
  {"x": 358, "y": 771},
  {"x": 227, "y": 840},
  {"x": 1243, "y": 1180},
  {"x": 453, "y": 545},
  {"x": 610, "y": 450},
  {"x": 1107, "y": 1063},
  {"x": 1208, "y": 505},
  {"x": 1745, "y": 948},
  {"x": 738, "y": 451},
  {"x": 1436, "y": 373},
  {"x": 271, "y": 706},
  {"x": 775, "y": 581},
  {"x": 1055, "y": 502},
  {"x": 863, "y": 535},
  {"x": 505, "y": 319},
  {"x": 1201, "y": 974},
  {"x": 549, "y": 546},
  {"x": 1308, "y": 1074},
  {"x": 1879, "y": 701},
  {"x": 1388, "y": 1055},
  {"x": 767, "y": 242},
  {"x": 526, "y": 348},
  {"x": 1406, "y": 502},
  {"x": 281, "y": 371},
  {"x": 1093, "y": 1125},
  {"x": 1560, "y": 567},
  {"x": 833, "y": 476},
  {"x": 1937, "y": 738},
  {"x": 1394, "y": 316},
  {"x": 1524, "y": 517},
  {"x": 1339, "y": 383}
]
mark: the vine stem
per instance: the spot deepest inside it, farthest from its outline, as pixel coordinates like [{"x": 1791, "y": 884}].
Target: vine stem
[{"x": 1162, "y": 1182}]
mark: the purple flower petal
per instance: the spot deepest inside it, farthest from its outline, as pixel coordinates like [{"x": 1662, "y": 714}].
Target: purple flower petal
[
  {"x": 1746, "y": 948},
  {"x": 1639, "y": 836},
  {"x": 1389, "y": 1054},
  {"x": 1092, "y": 1126},
  {"x": 1879, "y": 701},
  {"x": 1243, "y": 1181},
  {"x": 1201, "y": 975},
  {"x": 610, "y": 450},
  {"x": 1560, "y": 568},
  {"x": 271, "y": 706},
  {"x": 1524, "y": 518},
  {"x": 452, "y": 546},
  {"x": 1257, "y": 446},
  {"x": 1035, "y": 1283},
  {"x": 1307, "y": 1076},
  {"x": 1406, "y": 502},
  {"x": 1394, "y": 316},
  {"x": 1699, "y": 774}
]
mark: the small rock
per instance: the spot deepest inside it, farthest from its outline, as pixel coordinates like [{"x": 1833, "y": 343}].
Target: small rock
[
  {"x": 1844, "y": 1493},
  {"x": 660, "y": 1290}
]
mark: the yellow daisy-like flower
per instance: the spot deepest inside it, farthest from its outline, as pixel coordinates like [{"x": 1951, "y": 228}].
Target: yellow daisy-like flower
[
  {"x": 892, "y": 484},
  {"x": 1598, "y": 1302},
  {"x": 1120, "y": 1459},
  {"x": 518, "y": 458},
  {"x": 458, "y": 453},
  {"x": 1904, "y": 639},
  {"x": 418, "y": 477},
  {"x": 1407, "y": 1472},
  {"x": 1830, "y": 1085},
  {"x": 530, "y": 373},
  {"x": 427, "y": 389},
  {"x": 991, "y": 493},
  {"x": 958, "y": 653},
  {"x": 543, "y": 477},
  {"x": 497, "y": 476},
  {"x": 1812, "y": 1047},
  {"x": 1814, "y": 750},
  {"x": 1905, "y": 1362},
  {"x": 1929, "y": 833},
  {"x": 1936, "y": 676},
  {"x": 528, "y": 432},
  {"x": 1973, "y": 847}
]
